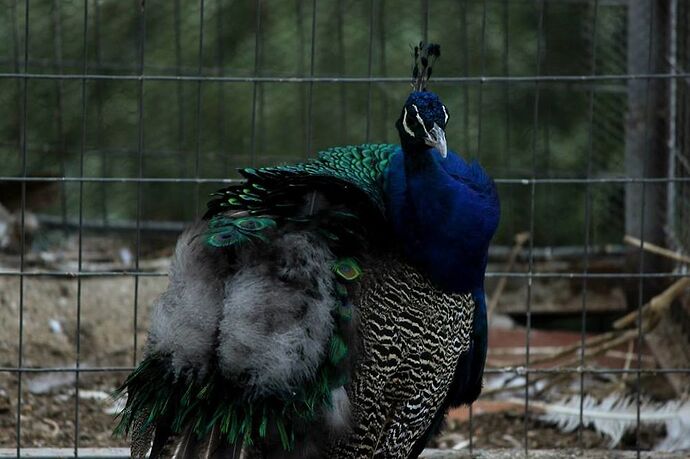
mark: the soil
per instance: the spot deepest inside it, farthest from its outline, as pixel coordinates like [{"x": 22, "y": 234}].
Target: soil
[
  {"x": 507, "y": 430},
  {"x": 49, "y": 341}
]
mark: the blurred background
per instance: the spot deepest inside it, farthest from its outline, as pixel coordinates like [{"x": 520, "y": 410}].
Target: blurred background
[{"x": 119, "y": 117}]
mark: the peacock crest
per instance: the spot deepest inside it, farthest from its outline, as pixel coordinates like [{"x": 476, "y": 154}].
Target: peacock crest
[{"x": 425, "y": 56}]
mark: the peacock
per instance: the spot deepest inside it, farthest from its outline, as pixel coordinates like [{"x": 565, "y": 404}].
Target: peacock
[{"x": 332, "y": 308}]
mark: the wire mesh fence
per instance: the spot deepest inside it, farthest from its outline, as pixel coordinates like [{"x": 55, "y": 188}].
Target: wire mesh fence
[{"x": 121, "y": 117}]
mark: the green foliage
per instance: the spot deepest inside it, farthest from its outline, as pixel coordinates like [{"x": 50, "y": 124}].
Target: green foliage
[{"x": 190, "y": 128}]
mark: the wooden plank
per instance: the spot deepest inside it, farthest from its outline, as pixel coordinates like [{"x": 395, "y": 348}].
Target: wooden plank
[
  {"x": 507, "y": 348},
  {"x": 559, "y": 297}
]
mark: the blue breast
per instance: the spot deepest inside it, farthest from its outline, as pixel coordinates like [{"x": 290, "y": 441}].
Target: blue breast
[{"x": 444, "y": 213}]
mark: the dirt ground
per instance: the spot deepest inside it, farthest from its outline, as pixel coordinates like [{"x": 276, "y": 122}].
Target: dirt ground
[
  {"x": 49, "y": 340},
  {"x": 507, "y": 430},
  {"x": 48, "y": 405}
]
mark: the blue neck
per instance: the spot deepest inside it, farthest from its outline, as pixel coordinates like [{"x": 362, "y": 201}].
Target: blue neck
[{"x": 444, "y": 212}]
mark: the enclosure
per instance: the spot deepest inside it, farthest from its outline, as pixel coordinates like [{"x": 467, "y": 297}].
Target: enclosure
[{"x": 119, "y": 117}]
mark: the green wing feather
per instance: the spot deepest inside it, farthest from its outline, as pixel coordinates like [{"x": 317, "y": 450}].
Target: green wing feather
[
  {"x": 273, "y": 194},
  {"x": 267, "y": 189}
]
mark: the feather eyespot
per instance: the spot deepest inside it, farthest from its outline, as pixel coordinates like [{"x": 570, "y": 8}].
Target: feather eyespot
[
  {"x": 248, "y": 224},
  {"x": 347, "y": 269}
]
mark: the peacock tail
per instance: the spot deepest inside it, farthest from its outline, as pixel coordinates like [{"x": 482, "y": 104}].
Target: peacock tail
[
  {"x": 210, "y": 402},
  {"x": 251, "y": 213}
]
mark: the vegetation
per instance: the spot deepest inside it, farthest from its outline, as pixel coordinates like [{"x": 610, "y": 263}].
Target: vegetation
[{"x": 191, "y": 127}]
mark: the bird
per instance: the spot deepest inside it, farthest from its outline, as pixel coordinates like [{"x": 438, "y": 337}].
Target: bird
[{"x": 330, "y": 308}]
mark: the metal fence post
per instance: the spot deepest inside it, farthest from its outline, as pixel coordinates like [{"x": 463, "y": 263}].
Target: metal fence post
[{"x": 646, "y": 127}]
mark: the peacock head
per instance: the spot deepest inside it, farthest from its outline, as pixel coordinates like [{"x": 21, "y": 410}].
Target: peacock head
[
  {"x": 422, "y": 123},
  {"x": 423, "y": 119}
]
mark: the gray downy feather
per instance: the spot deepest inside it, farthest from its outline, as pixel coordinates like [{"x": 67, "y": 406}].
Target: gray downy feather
[
  {"x": 185, "y": 317},
  {"x": 337, "y": 416},
  {"x": 277, "y": 317}
]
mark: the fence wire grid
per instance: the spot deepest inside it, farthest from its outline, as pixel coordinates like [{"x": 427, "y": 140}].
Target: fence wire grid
[{"x": 120, "y": 117}]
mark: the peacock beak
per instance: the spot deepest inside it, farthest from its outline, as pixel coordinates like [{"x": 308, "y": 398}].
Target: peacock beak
[{"x": 437, "y": 139}]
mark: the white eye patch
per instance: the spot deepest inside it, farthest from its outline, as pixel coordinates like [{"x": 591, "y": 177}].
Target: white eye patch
[
  {"x": 419, "y": 118},
  {"x": 405, "y": 126},
  {"x": 445, "y": 114}
]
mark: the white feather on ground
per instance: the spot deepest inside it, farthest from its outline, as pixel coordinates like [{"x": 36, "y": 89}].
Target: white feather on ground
[{"x": 616, "y": 415}]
